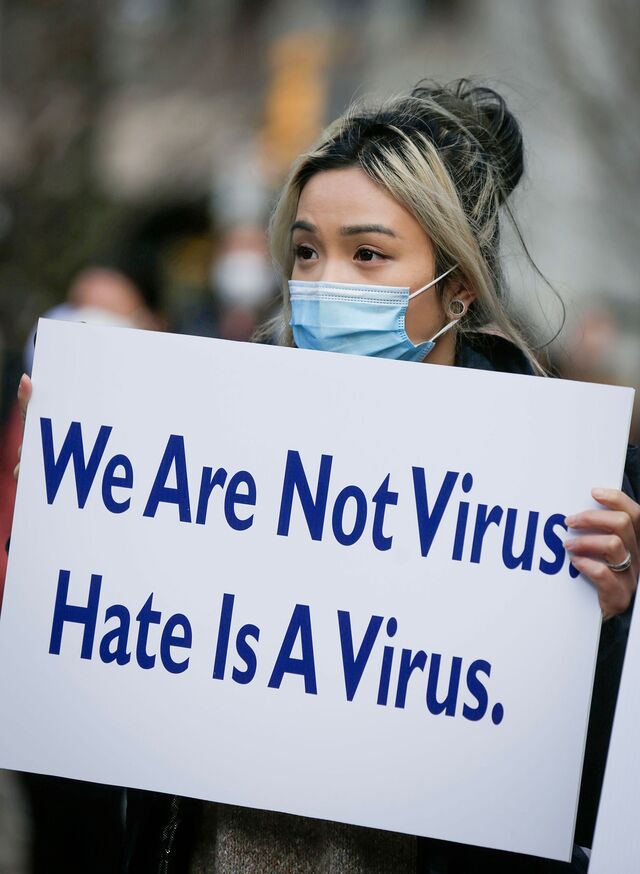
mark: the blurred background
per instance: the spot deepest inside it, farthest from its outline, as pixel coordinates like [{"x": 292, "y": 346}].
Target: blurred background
[{"x": 142, "y": 143}]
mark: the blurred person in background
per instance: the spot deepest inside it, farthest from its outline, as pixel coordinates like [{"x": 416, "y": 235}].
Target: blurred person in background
[
  {"x": 77, "y": 826},
  {"x": 243, "y": 282},
  {"x": 120, "y": 290},
  {"x": 126, "y": 286}
]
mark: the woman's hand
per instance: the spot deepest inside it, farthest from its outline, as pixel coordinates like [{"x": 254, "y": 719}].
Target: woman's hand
[
  {"x": 25, "y": 389},
  {"x": 613, "y": 538}
]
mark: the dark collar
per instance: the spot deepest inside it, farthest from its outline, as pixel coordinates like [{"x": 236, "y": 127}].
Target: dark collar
[{"x": 488, "y": 352}]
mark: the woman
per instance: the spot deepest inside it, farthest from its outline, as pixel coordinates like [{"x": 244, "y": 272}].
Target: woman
[{"x": 387, "y": 236}]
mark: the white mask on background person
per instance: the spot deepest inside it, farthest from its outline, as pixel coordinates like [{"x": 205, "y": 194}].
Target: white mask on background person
[
  {"x": 243, "y": 278},
  {"x": 66, "y": 312}
]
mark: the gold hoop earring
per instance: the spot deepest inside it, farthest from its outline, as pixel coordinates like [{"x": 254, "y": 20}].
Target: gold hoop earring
[{"x": 456, "y": 308}]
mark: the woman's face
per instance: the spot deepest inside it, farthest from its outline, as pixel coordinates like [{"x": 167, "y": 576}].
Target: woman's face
[{"x": 349, "y": 229}]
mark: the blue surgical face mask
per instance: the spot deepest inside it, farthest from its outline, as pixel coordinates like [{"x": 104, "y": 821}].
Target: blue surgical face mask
[{"x": 359, "y": 319}]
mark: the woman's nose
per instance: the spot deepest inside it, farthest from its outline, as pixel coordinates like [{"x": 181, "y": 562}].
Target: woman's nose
[{"x": 335, "y": 271}]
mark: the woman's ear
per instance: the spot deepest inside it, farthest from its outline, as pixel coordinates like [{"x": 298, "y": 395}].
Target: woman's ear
[{"x": 457, "y": 299}]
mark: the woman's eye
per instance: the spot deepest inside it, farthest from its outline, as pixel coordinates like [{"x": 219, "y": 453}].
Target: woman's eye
[
  {"x": 304, "y": 253},
  {"x": 368, "y": 255}
]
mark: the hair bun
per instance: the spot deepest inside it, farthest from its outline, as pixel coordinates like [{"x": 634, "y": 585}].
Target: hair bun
[
  {"x": 482, "y": 113},
  {"x": 503, "y": 139}
]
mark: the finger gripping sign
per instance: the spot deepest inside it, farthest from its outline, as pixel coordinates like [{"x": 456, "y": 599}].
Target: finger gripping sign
[{"x": 321, "y": 584}]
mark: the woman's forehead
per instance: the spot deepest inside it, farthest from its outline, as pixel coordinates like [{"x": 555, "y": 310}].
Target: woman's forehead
[{"x": 348, "y": 197}]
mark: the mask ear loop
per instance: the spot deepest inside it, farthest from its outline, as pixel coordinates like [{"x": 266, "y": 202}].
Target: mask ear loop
[
  {"x": 455, "y": 318},
  {"x": 444, "y": 330},
  {"x": 433, "y": 282}
]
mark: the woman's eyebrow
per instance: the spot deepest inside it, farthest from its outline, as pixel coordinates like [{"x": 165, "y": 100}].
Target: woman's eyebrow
[
  {"x": 346, "y": 230},
  {"x": 303, "y": 226},
  {"x": 349, "y": 230}
]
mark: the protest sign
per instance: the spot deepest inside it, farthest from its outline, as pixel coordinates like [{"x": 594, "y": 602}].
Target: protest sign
[
  {"x": 314, "y": 583},
  {"x": 616, "y": 843}
]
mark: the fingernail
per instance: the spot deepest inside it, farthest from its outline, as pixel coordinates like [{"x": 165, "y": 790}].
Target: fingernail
[
  {"x": 601, "y": 493},
  {"x": 569, "y": 544},
  {"x": 569, "y": 521}
]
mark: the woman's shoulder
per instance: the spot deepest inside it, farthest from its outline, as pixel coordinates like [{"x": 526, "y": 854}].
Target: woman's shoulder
[{"x": 491, "y": 352}]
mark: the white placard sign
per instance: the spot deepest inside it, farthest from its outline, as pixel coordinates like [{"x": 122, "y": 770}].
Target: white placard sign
[
  {"x": 616, "y": 842},
  {"x": 314, "y": 583}
]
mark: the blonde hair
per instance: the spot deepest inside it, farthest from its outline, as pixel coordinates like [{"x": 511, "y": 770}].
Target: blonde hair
[{"x": 451, "y": 155}]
